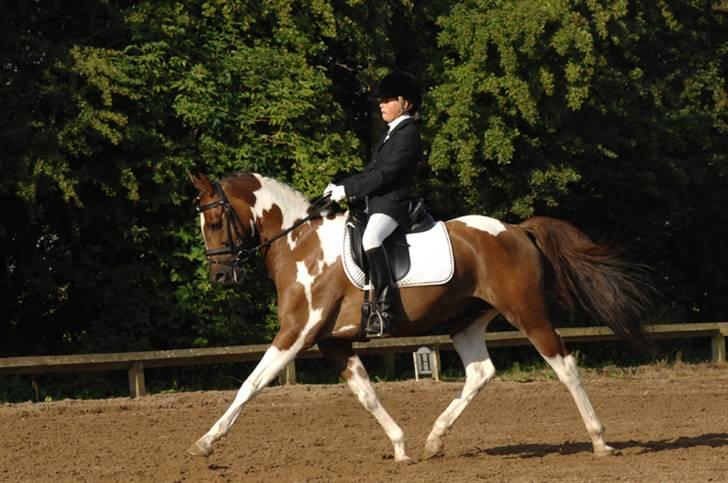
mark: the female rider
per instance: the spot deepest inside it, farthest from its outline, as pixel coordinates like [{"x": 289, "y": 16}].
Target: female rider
[{"x": 384, "y": 185}]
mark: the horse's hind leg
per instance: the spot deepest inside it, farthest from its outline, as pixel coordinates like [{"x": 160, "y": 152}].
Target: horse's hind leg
[
  {"x": 549, "y": 345},
  {"x": 343, "y": 358},
  {"x": 479, "y": 369}
]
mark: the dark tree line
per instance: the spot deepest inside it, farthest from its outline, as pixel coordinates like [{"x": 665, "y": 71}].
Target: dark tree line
[{"x": 610, "y": 114}]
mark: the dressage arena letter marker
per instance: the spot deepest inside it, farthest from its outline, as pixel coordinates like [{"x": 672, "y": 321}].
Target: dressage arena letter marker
[{"x": 427, "y": 362}]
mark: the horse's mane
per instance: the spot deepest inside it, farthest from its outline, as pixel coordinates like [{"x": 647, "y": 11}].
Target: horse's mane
[{"x": 293, "y": 204}]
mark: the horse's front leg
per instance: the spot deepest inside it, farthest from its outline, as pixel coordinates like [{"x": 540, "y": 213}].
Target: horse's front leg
[
  {"x": 273, "y": 361},
  {"x": 341, "y": 355}
]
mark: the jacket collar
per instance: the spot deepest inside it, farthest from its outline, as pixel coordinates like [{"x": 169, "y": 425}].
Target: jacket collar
[
  {"x": 405, "y": 120},
  {"x": 393, "y": 125}
]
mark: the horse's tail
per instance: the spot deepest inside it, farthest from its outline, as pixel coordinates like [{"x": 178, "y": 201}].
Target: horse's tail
[{"x": 612, "y": 291}]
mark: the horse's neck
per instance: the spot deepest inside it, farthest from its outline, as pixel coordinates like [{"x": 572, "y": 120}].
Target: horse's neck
[
  {"x": 311, "y": 247},
  {"x": 277, "y": 207}
]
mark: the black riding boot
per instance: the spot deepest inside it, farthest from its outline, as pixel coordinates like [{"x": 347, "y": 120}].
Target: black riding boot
[{"x": 382, "y": 315}]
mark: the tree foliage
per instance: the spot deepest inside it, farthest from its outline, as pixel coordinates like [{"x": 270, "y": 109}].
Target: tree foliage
[{"x": 610, "y": 114}]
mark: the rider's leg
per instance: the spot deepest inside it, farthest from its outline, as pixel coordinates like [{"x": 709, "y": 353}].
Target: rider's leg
[{"x": 379, "y": 227}]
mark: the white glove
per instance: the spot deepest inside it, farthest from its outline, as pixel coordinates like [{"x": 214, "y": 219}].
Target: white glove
[
  {"x": 336, "y": 192},
  {"x": 329, "y": 189}
]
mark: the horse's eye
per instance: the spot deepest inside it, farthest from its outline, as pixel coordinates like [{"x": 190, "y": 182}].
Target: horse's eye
[{"x": 216, "y": 226}]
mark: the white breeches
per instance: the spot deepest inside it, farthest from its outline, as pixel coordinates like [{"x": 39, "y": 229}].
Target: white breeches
[{"x": 380, "y": 226}]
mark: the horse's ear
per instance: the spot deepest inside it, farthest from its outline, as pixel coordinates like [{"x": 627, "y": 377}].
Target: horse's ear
[{"x": 201, "y": 182}]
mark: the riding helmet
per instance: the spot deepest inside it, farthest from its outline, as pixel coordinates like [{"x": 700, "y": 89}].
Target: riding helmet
[{"x": 399, "y": 83}]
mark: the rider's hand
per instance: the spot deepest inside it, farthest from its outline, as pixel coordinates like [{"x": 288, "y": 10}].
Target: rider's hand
[
  {"x": 329, "y": 189},
  {"x": 336, "y": 192}
]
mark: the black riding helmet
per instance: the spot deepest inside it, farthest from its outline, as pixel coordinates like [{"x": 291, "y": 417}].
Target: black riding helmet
[{"x": 399, "y": 83}]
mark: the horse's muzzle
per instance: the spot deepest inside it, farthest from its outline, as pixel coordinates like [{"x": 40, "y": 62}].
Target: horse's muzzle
[{"x": 225, "y": 274}]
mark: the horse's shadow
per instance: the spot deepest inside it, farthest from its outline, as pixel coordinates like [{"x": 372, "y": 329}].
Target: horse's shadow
[{"x": 712, "y": 440}]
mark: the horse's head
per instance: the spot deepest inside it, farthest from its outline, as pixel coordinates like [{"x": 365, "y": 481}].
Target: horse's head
[{"x": 228, "y": 228}]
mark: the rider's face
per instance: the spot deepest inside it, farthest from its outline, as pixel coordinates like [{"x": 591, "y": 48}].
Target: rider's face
[{"x": 392, "y": 108}]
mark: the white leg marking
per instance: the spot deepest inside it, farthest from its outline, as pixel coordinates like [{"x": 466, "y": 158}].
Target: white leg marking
[
  {"x": 568, "y": 373},
  {"x": 273, "y": 361},
  {"x": 362, "y": 387},
  {"x": 479, "y": 369}
]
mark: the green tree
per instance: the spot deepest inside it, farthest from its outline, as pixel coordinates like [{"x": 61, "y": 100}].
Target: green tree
[
  {"x": 610, "y": 114},
  {"x": 101, "y": 244}
]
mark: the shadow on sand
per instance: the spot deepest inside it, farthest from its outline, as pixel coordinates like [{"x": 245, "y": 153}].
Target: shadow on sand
[{"x": 713, "y": 440}]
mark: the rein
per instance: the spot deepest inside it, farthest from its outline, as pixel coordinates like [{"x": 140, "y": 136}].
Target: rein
[
  {"x": 323, "y": 201},
  {"x": 237, "y": 247}
]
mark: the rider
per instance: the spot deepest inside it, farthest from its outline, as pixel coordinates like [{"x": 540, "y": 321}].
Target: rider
[{"x": 384, "y": 184}]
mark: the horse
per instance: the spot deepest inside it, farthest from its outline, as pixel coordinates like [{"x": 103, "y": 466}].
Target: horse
[{"x": 508, "y": 269}]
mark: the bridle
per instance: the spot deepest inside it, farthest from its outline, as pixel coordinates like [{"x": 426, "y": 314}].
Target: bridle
[
  {"x": 244, "y": 247},
  {"x": 241, "y": 247}
]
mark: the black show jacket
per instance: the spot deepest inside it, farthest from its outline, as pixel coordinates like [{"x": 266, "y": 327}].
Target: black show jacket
[{"x": 387, "y": 178}]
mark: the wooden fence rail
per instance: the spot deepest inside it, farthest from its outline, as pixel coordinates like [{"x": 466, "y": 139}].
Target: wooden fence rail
[{"x": 136, "y": 362}]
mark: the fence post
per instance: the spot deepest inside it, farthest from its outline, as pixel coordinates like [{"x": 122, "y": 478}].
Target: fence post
[
  {"x": 717, "y": 346},
  {"x": 289, "y": 373},
  {"x": 436, "y": 363},
  {"x": 137, "y": 387}
]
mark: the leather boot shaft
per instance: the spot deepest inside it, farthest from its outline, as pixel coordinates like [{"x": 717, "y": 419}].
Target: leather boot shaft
[
  {"x": 379, "y": 274},
  {"x": 381, "y": 311}
]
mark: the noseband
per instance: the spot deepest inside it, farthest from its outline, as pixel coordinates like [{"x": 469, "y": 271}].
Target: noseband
[{"x": 243, "y": 247}]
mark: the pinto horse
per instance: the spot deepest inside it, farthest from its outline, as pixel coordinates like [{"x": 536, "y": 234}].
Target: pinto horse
[{"x": 499, "y": 269}]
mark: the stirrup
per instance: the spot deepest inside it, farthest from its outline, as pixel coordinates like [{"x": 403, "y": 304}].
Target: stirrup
[
  {"x": 374, "y": 316},
  {"x": 377, "y": 324},
  {"x": 368, "y": 311}
]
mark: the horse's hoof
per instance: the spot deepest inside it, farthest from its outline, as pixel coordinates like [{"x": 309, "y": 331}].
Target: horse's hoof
[
  {"x": 406, "y": 460},
  {"x": 433, "y": 454},
  {"x": 199, "y": 449},
  {"x": 433, "y": 449},
  {"x": 605, "y": 451}
]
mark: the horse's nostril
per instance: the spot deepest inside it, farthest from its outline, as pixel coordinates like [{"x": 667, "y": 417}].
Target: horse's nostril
[{"x": 219, "y": 277}]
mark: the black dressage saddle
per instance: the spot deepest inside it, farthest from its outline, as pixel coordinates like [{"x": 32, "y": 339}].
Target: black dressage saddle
[{"x": 395, "y": 245}]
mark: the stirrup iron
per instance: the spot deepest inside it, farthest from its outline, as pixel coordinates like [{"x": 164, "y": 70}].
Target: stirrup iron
[{"x": 374, "y": 314}]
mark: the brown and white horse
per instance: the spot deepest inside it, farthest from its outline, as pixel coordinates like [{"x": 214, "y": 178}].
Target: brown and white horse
[{"x": 499, "y": 268}]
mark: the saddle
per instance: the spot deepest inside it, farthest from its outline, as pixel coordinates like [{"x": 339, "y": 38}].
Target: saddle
[{"x": 396, "y": 247}]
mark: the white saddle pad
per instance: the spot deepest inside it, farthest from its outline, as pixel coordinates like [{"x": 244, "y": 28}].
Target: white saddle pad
[{"x": 431, "y": 260}]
